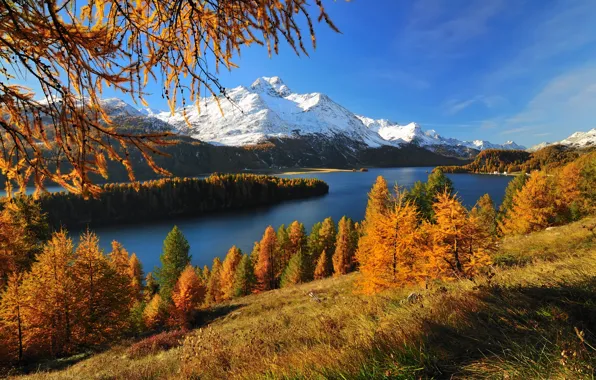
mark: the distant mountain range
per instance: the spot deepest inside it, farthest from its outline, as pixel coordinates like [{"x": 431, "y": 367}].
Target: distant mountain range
[
  {"x": 576, "y": 140},
  {"x": 268, "y": 109}
]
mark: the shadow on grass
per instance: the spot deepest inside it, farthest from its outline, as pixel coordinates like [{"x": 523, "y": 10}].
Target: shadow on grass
[{"x": 495, "y": 332}]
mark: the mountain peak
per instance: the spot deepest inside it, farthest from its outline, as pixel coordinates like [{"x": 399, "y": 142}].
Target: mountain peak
[{"x": 272, "y": 85}]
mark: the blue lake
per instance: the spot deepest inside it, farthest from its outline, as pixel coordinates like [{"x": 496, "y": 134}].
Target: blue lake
[{"x": 212, "y": 235}]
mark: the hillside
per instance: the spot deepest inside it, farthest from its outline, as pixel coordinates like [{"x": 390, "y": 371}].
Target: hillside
[
  {"x": 533, "y": 318},
  {"x": 576, "y": 140}
]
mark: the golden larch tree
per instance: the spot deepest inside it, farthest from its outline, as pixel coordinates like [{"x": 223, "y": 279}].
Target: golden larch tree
[
  {"x": 188, "y": 295},
  {"x": 534, "y": 206},
  {"x": 345, "y": 247},
  {"x": 392, "y": 246},
  {"x": 322, "y": 267},
  {"x": 264, "y": 269},
  {"x": 214, "y": 290},
  {"x": 460, "y": 243},
  {"x": 155, "y": 313},
  {"x": 12, "y": 326},
  {"x": 135, "y": 272},
  {"x": 228, "y": 272},
  {"x": 49, "y": 290}
]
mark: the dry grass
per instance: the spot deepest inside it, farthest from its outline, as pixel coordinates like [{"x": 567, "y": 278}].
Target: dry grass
[{"x": 536, "y": 318}]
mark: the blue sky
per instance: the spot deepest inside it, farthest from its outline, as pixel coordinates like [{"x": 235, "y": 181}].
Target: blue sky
[{"x": 522, "y": 70}]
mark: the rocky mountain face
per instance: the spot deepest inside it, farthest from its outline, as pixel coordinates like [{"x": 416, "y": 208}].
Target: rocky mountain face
[
  {"x": 576, "y": 140},
  {"x": 268, "y": 109}
]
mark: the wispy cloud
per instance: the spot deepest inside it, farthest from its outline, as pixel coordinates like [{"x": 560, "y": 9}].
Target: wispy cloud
[
  {"x": 454, "y": 106},
  {"x": 401, "y": 77},
  {"x": 566, "y": 104}
]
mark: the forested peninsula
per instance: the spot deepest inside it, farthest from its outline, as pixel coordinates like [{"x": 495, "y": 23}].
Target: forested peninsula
[{"x": 165, "y": 198}]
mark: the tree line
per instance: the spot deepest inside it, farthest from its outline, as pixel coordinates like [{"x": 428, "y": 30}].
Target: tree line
[
  {"x": 60, "y": 298},
  {"x": 514, "y": 161},
  {"x": 171, "y": 197}
]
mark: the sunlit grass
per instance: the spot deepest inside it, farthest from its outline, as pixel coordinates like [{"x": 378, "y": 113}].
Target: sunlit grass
[{"x": 535, "y": 318}]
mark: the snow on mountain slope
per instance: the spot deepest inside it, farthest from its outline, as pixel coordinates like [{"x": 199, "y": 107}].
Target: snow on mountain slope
[
  {"x": 268, "y": 109},
  {"x": 413, "y": 133},
  {"x": 577, "y": 140}
]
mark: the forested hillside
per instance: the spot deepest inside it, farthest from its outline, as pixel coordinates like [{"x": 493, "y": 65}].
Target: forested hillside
[
  {"x": 514, "y": 161},
  {"x": 170, "y": 197}
]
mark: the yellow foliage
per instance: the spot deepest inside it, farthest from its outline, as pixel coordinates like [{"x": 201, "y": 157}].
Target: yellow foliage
[{"x": 189, "y": 293}]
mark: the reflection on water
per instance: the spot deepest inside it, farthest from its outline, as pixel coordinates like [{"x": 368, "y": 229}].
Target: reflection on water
[{"x": 213, "y": 235}]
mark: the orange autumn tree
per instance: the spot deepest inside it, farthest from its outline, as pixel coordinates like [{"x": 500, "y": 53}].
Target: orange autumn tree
[
  {"x": 135, "y": 272},
  {"x": 391, "y": 243},
  {"x": 345, "y": 247},
  {"x": 154, "y": 314},
  {"x": 460, "y": 242},
  {"x": 534, "y": 207},
  {"x": 71, "y": 50},
  {"x": 214, "y": 289},
  {"x": 188, "y": 294},
  {"x": 12, "y": 325},
  {"x": 228, "y": 272},
  {"x": 49, "y": 290},
  {"x": 102, "y": 297},
  {"x": 322, "y": 267},
  {"x": 264, "y": 268}
]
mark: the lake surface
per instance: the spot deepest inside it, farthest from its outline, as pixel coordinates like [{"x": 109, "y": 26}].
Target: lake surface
[{"x": 212, "y": 235}]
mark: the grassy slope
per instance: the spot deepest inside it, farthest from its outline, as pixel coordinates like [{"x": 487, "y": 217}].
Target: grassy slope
[{"x": 519, "y": 324}]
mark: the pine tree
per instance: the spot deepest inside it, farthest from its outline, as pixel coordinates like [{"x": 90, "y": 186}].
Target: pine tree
[
  {"x": 174, "y": 259},
  {"x": 245, "y": 280},
  {"x": 392, "y": 248},
  {"x": 568, "y": 192},
  {"x": 155, "y": 313},
  {"x": 11, "y": 319},
  {"x": 189, "y": 293},
  {"x": 343, "y": 257},
  {"x": 254, "y": 254},
  {"x": 264, "y": 270},
  {"x": 297, "y": 237},
  {"x": 49, "y": 291},
  {"x": 534, "y": 207},
  {"x": 485, "y": 211},
  {"x": 214, "y": 291},
  {"x": 228, "y": 272},
  {"x": 135, "y": 272},
  {"x": 322, "y": 267},
  {"x": 151, "y": 287},
  {"x": 315, "y": 247},
  {"x": 206, "y": 274},
  {"x": 119, "y": 259},
  {"x": 423, "y": 195},
  {"x": 295, "y": 272}
]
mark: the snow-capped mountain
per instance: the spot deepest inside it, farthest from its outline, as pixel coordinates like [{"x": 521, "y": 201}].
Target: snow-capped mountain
[
  {"x": 268, "y": 109},
  {"x": 413, "y": 133},
  {"x": 576, "y": 140}
]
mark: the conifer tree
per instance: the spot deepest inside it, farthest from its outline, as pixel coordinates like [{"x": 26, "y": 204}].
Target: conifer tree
[
  {"x": 245, "y": 280},
  {"x": 343, "y": 257},
  {"x": 376, "y": 210},
  {"x": 282, "y": 252},
  {"x": 119, "y": 259},
  {"x": 135, "y": 272},
  {"x": 423, "y": 195},
  {"x": 174, "y": 259},
  {"x": 568, "y": 192},
  {"x": 486, "y": 213},
  {"x": 264, "y": 270},
  {"x": 50, "y": 290},
  {"x": 228, "y": 272},
  {"x": 315, "y": 246},
  {"x": 297, "y": 237},
  {"x": 151, "y": 287},
  {"x": 392, "y": 248},
  {"x": 254, "y": 254},
  {"x": 155, "y": 313},
  {"x": 328, "y": 234},
  {"x": 214, "y": 290},
  {"x": 206, "y": 274},
  {"x": 322, "y": 267},
  {"x": 103, "y": 296},
  {"x": 513, "y": 187},
  {"x": 11, "y": 319},
  {"x": 188, "y": 294},
  {"x": 461, "y": 244},
  {"x": 534, "y": 207},
  {"x": 295, "y": 272}
]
